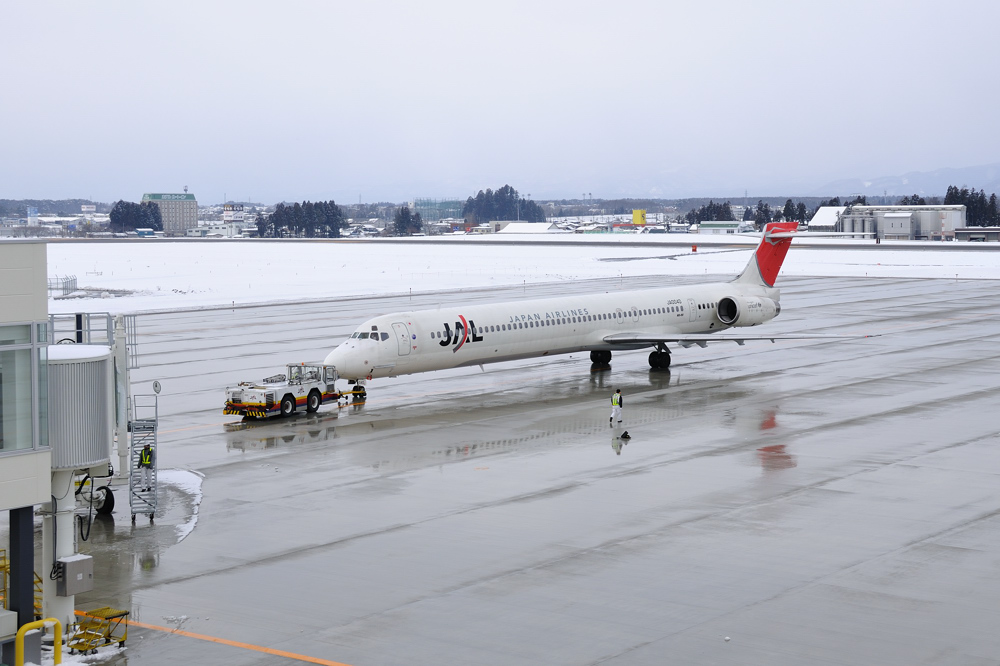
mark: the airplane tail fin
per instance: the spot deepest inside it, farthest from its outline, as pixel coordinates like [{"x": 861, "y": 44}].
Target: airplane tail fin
[{"x": 763, "y": 267}]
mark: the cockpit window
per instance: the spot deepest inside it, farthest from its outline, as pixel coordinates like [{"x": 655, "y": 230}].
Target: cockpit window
[
  {"x": 385, "y": 336},
  {"x": 363, "y": 336}
]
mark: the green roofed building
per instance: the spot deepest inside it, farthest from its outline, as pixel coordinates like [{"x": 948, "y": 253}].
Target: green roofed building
[{"x": 179, "y": 211}]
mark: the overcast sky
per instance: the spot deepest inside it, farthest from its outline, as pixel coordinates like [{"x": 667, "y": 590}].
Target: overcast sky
[{"x": 314, "y": 100}]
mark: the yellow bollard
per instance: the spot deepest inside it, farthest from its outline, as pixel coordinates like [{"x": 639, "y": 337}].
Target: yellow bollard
[{"x": 39, "y": 624}]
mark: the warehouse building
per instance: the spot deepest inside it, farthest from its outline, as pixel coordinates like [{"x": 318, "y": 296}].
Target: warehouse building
[
  {"x": 178, "y": 211},
  {"x": 904, "y": 222}
]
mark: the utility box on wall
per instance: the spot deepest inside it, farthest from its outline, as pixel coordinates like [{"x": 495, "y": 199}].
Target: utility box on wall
[{"x": 77, "y": 575}]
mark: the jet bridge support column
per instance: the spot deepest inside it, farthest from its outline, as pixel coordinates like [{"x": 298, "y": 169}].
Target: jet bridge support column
[
  {"x": 58, "y": 541},
  {"x": 122, "y": 392}
]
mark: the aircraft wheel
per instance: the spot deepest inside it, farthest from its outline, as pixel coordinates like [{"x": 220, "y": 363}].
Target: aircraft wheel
[
  {"x": 108, "y": 502},
  {"x": 360, "y": 393},
  {"x": 606, "y": 356},
  {"x": 314, "y": 401},
  {"x": 287, "y": 405},
  {"x": 595, "y": 356},
  {"x": 659, "y": 360}
]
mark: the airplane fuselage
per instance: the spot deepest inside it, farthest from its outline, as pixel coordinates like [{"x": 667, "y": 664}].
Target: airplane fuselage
[{"x": 418, "y": 341}]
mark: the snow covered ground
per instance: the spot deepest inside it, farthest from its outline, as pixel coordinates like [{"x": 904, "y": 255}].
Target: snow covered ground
[{"x": 167, "y": 275}]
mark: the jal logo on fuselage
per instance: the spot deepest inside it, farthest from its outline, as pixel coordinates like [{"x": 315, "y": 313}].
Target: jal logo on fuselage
[{"x": 464, "y": 332}]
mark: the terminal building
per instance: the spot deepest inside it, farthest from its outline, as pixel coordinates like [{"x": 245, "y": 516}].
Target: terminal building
[
  {"x": 25, "y": 456},
  {"x": 178, "y": 211}
]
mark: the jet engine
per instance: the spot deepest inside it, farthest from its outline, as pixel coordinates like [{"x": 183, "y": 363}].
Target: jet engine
[{"x": 747, "y": 310}]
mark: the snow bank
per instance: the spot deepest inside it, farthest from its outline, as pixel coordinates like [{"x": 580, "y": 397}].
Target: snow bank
[{"x": 165, "y": 275}]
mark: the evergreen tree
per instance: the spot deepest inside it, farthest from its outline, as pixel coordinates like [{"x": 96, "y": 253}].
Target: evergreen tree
[
  {"x": 762, "y": 214},
  {"x": 800, "y": 212},
  {"x": 504, "y": 204},
  {"x": 788, "y": 212},
  {"x": 323, "y": 219},
  {"x": 405, "y": 223},
  {"x": 151, "y": 214},
  {"x": 129, "y": 216},
  {"x": 265, "y": 226}
]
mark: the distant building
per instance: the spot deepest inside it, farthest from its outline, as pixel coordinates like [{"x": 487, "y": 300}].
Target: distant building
[
  {"x": 178, "y": 211},
  {"x": 904, "y": 222},
  {"x": 434, "y": 210},
  {"x": 722, "y": 227},
  {"x": 224, "y": 230},
  {"x": 981, "y": 234},
  {"x": 529, "y": 228},
  {"x": 826, "y": 218}
]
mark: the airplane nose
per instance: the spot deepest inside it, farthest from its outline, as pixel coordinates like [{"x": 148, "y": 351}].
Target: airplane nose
[
  {"x": 343, "y": 359},
  {"x": 332, "y": 357}
]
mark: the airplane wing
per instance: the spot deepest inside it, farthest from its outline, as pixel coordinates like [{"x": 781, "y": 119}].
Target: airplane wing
[{"x": 702, "y": 340}]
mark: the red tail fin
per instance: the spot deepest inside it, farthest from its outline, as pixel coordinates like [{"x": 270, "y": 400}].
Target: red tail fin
[{"x": 766, "y": 261}]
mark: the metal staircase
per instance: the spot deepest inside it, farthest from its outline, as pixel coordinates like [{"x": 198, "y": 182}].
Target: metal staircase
[{"x": 141, "y": 500}]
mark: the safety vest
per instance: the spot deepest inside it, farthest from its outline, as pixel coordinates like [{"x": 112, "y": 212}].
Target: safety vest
[
  {"x": 615, "y": 398},
  {"x": 146, "y": 458}
]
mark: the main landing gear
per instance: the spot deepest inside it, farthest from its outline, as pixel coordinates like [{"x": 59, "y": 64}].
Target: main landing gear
[
  {"x": 602, "y": 357},
  {"x": 659, "y": 359}
]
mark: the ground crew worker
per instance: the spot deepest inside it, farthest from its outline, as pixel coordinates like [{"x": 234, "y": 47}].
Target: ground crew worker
[
  {"x": 616, "y": 406},
  {"x": 146, "y": 467}
]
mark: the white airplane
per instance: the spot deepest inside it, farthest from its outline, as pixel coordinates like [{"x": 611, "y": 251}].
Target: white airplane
[{"x": 404, "y": 343}]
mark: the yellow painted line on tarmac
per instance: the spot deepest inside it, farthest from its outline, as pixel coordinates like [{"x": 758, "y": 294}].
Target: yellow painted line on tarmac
[{"x": 225, "y": 641}]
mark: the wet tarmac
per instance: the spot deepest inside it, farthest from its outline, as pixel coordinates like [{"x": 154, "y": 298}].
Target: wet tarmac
[{"x": 814, "y": 502}]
